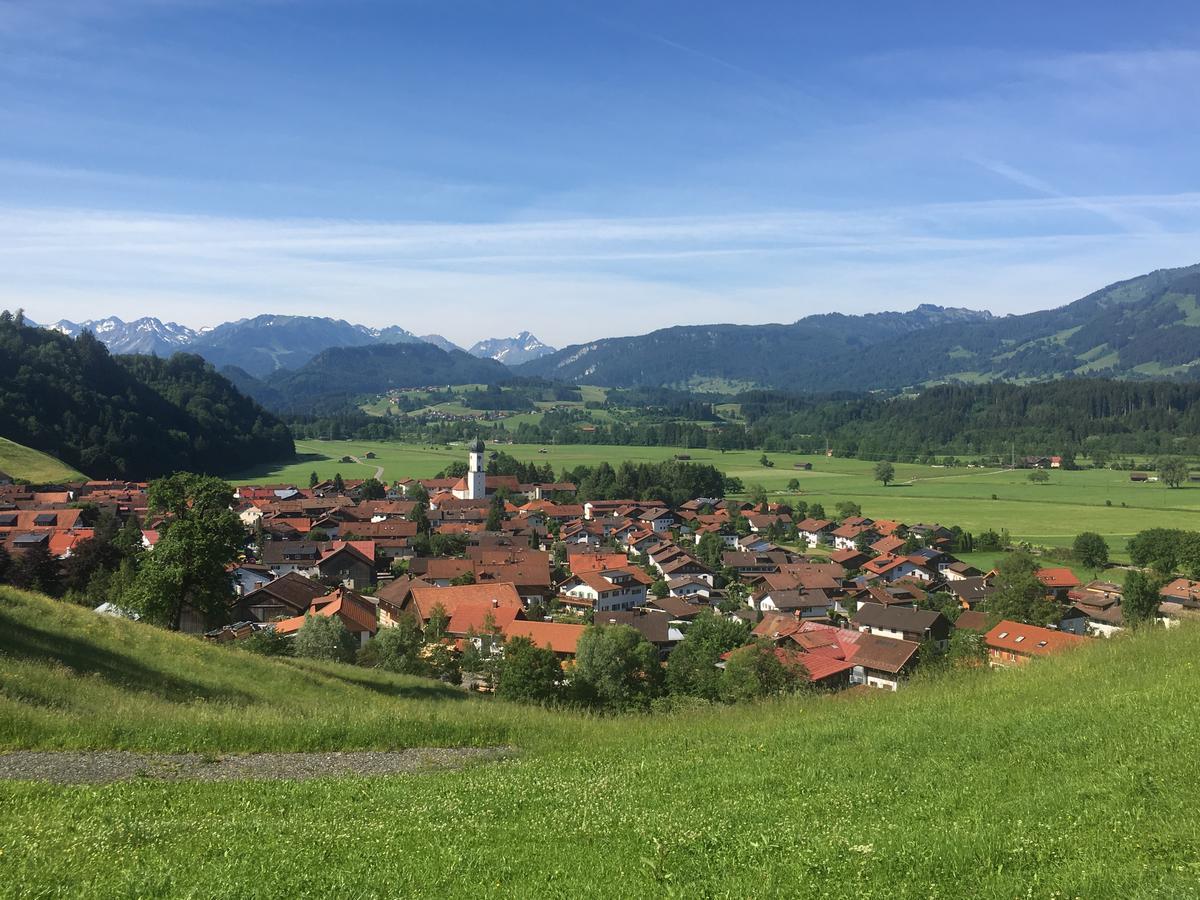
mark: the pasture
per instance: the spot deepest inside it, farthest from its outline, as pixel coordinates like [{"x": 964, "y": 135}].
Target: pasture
[
  {"x": 32, "y": 465},
  {"x": 977, "y": 499}
]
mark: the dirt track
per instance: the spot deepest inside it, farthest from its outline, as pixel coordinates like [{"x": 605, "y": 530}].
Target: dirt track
[{"x": 99, "y": 767}]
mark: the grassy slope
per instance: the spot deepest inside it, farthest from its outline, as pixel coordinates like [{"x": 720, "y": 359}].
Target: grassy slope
[
  {"x": 20, "y": 461},
  {"x": 1044, "y": 513},
  {"x": 1072, "y": 778}
]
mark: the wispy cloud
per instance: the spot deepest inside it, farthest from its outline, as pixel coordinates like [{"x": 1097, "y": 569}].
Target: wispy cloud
[{"x": 576, "y": 279}]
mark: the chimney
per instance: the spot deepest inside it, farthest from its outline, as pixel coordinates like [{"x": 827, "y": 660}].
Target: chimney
[{"x": 495, "y": 603}]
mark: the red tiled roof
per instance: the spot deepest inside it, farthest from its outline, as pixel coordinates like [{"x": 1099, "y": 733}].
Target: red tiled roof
[{"x": 1057, "y": 578}]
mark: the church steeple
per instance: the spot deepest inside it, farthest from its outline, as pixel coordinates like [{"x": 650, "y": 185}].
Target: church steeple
[{"x": 476, "y": 479}]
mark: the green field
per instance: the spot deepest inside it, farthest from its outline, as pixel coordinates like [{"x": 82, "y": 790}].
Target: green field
[
  {"x": 1069, "y": 779},
  {"x": 33, "y": 465},
  {"x": 1044, "y": 514}
]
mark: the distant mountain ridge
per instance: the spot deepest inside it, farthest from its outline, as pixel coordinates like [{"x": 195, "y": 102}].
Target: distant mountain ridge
[
  {"x": 1145, "y": 327},
  {"x": 338, "y": 375},
  {"x": 511, "y": 351},
  {"x": 146, "y": 335}
]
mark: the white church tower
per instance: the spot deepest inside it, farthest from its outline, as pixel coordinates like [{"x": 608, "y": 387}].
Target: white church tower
[{"x": 476, "y": 480}]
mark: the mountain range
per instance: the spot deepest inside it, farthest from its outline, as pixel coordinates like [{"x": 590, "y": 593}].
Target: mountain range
[
  {"x": 1146, "y": 327},
  {"x": 267, "y": 343}
]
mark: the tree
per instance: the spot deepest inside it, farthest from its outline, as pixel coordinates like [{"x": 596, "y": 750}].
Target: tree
[
  {"x": 200, "y": 536},
  {"x": 373, "y": 489},
  {"x": 435, "y": 627},
  {"x": 1172, "y": 470},
  {"x": 324, "y": 638},
  {"x": 885, "y": 472},
  {"x": 660, "y": 588},
  {"x": 339, "y": 485},
  {"x": 396, "y": 649},
  {"x": 816, "y": 511},
  {"x": 759, "y": 496},
  {"x": 848, "y": 508},
  {"x": 616, "y": 668},
  {"x": 495, "y": 516},
  {"x": 1140, "y": 598},
  {"x": 765, "y": 462},
  {"x": 793, "y": 484},
  {"x": 1091, "y": 550},
  {"x": 36, "y": 569},
  {"x": 754, "y": 672},
  {"x": 313, "y": 480},
  {"x": 692, "y": 665},
  {"x": 528, "y": 673},
  {"x": 1019, "y": 595},
  {"x": 1039, "y": 476},
  {"x": 420, "y": 517},
  {"x": 1163, "y": 549}
]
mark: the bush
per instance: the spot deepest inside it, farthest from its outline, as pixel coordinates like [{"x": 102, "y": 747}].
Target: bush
[
  {"x": 326, "y": 638},
  {"x": 267, "y": 642}
]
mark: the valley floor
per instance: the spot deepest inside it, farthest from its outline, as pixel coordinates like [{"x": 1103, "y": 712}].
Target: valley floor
[{"x": 1051, "y": 514}]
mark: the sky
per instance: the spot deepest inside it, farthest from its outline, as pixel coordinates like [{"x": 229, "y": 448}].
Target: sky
[{"x": 583, "y": 170}]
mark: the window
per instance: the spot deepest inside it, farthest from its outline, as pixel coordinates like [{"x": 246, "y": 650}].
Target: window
[
  {"x": 1041, "y": 643},
  {"x": 1020, "y": 638},
  {"x": 1002, "y": 635}
]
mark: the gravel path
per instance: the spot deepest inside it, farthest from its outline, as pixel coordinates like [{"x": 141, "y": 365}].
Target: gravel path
[{"x": 102, "y": 766}]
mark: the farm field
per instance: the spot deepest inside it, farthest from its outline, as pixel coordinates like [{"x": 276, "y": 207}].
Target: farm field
[
  {"x": 953, "y": 787},
  {"x": 20, "y": 461},
  {"x": 1046, "y": 514}
]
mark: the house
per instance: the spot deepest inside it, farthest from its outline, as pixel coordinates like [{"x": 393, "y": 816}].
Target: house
[
  {"x": 248, "y": 577},
  {"x": 1058, "y": 582},
  {"x": 815, "y": 532},
  {"x": 805, "y": 604},
  {"x": 904, "y": 623},
  {"x": 1095, "y": 610},
  {"x": 655, "y": 626},
  {"x": 882, "y": 662},
  {"x": 971, "y": 591},
  {"x": 561, "y": 638},
  {"x": 609, "y": 589},
  {"x": 289, "y": 595},
  {"x": 1181, "y": 600},
  {"x": 973, "y": 620},
  {"x": 358, "y": 614},
  {"x": 1014, "y": 643},
  {"x": 690, "y": 587},
  {"x": 468, "y": 608},
  {"x": 677, "y": 608},
  {"x": 350, "y": 563},
  {"x": 958, "y": 571}
]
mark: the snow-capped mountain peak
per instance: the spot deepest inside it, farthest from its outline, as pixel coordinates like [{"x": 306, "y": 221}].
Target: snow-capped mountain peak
[{"x": 511, "y": 351}]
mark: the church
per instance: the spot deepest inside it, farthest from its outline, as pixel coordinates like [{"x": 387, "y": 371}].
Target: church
[{"x": 473, "y": 485}]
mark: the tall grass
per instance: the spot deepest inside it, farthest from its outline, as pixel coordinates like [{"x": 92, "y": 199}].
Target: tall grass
[{"x": 1071, "y": 778}]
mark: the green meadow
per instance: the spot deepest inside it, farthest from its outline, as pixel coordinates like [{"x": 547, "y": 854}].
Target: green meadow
[
  {"x": 1049, "y": 514},
  {"x": 1071, "y": 778},
  {"x": 32, "y": 465}
]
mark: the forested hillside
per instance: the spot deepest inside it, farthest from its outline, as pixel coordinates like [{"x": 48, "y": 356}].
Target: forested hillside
[
  {"x": 335, "y": 377},
  {"x": 130, "y": 416},
  {"x": 1070, "y": 416},
  {"x": 1146, "y": 327}
]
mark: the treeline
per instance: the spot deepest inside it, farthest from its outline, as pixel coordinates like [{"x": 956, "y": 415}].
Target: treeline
[
  {"x": 671, "y": 481},
  {"x": 1092, "y": 417},
  {"x": 1073, "y": 416},
  {"x": 128, "y": 416}
]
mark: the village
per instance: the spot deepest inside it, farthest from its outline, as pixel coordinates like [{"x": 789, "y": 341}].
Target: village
[{"x": 479, "y": 560}]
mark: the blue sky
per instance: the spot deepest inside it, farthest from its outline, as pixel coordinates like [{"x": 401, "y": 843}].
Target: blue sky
[{"x": 588, "y": 169}]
